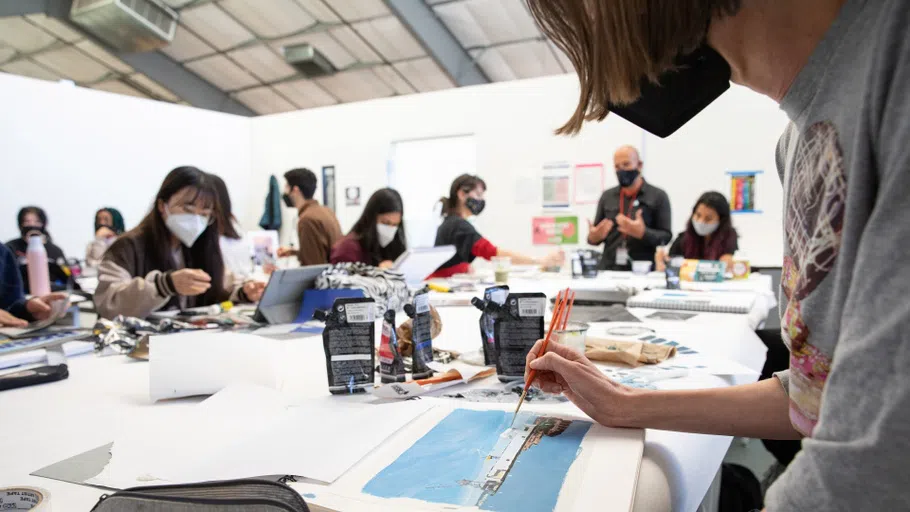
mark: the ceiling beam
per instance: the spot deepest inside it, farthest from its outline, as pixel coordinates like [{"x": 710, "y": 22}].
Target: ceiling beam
[
  {"x": 22, "y": 7},
  {"x": 187, "y": 85},
  {"x": 439, "y": 41}
]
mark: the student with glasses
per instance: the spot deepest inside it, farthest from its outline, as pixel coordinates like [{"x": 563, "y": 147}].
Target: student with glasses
[{"x": 172, "y": 258}]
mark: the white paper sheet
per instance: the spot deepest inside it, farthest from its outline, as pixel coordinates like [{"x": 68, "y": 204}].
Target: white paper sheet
[
  {"x": 247, "y": 431},
  {"x": 203, "y": 363}
]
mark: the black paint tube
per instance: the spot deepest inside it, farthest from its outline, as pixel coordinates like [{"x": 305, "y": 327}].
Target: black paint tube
[
  {"x": 517, "y": 327},
  {"x": 391, "y": 365},
  {"x": 348, "y": 340},
  {"x": 493, "y": 299},
  {"x": 421, "y": 336}
]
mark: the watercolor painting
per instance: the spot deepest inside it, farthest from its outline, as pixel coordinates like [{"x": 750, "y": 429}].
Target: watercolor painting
[{"x": 473, "y": 458}]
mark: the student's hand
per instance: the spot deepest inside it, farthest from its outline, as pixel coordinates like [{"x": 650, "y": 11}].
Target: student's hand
[
  {"x": 660, "y": 259},
  {"x": 190, "y": 282},
  {"x": 629, "y": 227},
  {"x": 105, "y": 232},
  {"x": 563, "y": 370},
  {"x": 253, "y": 290},
  {"x": 599, "y": 232},
  {"x": 387, "y": 264},
  {"x": 8, "y": 320},
  {"x": 41, "y": 308},
  {"x": 286, "y": 251},
  {"x": 554, "y": 259}
]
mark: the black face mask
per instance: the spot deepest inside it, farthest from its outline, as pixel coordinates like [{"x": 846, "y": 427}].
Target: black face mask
[
  {"x": 34, "y": 230},
  {"x": 476, "y": 206},
  {"x": 627, "y": 177},
  {"x": 287, "y": 200},
  {"x": 679, "y": 95}
]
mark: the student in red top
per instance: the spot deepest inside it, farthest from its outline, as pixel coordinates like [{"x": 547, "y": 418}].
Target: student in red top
[
  {"x": 377, "y": 237},
  {"x": 466, "y": 200}
]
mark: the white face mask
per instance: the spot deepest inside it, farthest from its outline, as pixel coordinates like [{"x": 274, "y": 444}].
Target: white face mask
[
  {"x": 187, "y": 227},
  {"x": 386, "y": 234},
  {"x": 705, "y": 228}
]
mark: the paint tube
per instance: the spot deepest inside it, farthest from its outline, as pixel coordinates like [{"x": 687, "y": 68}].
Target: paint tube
[
  {"x": 493, "y": 299},
  {"x": 517, "y": 327},
  {"x": 391, "y": 365},
  {"x": 421, "y": 335},
  {"x": 348, "y": 340}
]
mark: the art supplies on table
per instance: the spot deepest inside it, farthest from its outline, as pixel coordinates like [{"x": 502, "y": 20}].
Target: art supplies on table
[
  {"x": 417, "y": 263},
  {"x": 421, "y": 336},
  {"x": 391, "y": 363},
  {"x": 348, "y": 339},
  {"x": 448, "y": 375},
  {"x": 741, "y": 269},
  {"x": 70, "y": 349},
  {"x": 699, "y": 302},
  {"x": 673, "y": 316},
  {"x": 493, "y": 299},
  {"x": 283, "y": 295},
  {"x": 630, "y": 353},
  {"x": 518, "y": 325},
  {"x": 704, "y": 271},
  {"x": 14, "y": 346}
]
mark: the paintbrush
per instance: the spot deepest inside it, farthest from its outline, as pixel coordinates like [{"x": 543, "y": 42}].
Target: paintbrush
[{"x": 557, "y": 312}]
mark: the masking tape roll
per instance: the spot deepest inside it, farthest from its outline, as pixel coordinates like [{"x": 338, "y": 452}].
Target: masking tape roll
[{"x": 25, "y": 498}]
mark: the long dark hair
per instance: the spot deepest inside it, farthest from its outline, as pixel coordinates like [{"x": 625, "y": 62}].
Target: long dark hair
[
  {"x": 226, "y": 216},
  {"x": 695, "y": 246},
  {"x": 384, "y": 200},
  {"x": 465, "y": 182},
  {"x": 205, "y": 254}
]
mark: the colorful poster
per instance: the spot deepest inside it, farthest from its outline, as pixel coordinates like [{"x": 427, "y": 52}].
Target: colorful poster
[
  {"x": 555, "y": 183},
  {"x": 589, "y": 183},
  {"x": 474, "y": 459},
  {"x": 555, "y": 230}
]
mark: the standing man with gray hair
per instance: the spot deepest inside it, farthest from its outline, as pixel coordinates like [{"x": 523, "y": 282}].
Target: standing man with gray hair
[{"x": 633, "y": 219}]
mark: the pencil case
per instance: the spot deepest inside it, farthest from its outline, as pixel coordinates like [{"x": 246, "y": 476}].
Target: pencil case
[{"x": 226, "y": 496}]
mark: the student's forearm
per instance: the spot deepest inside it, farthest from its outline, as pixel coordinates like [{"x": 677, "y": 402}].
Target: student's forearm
[
  {"x": 758, "y": 410},
  {"x": 517, "y": 258}
]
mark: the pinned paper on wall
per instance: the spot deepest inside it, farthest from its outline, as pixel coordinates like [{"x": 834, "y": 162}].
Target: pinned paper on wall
[
  {"x": 555, "y": 181},
  {"x": 352, "y": 196},
  {"x": 554, "y": 230},
  {"x": 589, "y": 183}
]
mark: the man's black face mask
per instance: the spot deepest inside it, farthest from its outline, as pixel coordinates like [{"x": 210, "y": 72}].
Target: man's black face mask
[{"x": 701, "y": 77}]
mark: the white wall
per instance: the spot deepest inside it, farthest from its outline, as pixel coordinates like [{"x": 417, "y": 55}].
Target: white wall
[
  {"x": 513, "y": 124},
  {"x": 72, "y": 150}
]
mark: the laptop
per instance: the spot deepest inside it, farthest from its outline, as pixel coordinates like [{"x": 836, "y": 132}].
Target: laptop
[
  {"x": 283, "y": 295},
  {"x": 416, "y": 264}
]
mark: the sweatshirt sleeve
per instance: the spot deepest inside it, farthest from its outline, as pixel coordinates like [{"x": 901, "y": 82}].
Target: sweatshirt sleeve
[{"x": 119, "y": 293}]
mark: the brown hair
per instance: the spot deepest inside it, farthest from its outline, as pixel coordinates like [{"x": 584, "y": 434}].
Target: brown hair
[
  {"x": 616, "y": 44},
  {"x": 465, "y": 182}
]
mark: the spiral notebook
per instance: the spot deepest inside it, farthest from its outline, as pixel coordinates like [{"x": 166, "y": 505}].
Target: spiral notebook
[{"x": 700, "y": 302}]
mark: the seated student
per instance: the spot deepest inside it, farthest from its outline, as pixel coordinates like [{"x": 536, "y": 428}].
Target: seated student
[
  {"x": 466, "y": 200},
  {"x": 33, "y": 222},
  {"x": 377, "y": 237},
  {"x": 709, "y": 233},
  {"x": 108, "y": 226},
  {"x": 235, "y": 251},
  {"x": 15, "y": 309},
  {"x": 172, "y": 258}
]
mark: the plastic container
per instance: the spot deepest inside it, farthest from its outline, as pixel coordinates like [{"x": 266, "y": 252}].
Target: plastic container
[
  {"x": 641, "y": 267},
  {"x": 573, "y": 336},
  {"x": 501, "y": 267},
  {"x": 39, "y": 282}
]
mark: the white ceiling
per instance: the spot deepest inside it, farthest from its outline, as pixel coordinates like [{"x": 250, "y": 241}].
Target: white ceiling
[{"x": 236, "y": 45}]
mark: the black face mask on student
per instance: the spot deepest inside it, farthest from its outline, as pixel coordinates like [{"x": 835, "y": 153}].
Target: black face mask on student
[
  {"x": 31, "y": 230},
  {"x": 287, "y": 200},
  {"x": 679, "y": 95},
  {"x": 476, "y": 206}
]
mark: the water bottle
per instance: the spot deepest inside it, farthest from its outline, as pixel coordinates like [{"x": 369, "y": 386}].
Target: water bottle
[{"x": 36, "y": 260}]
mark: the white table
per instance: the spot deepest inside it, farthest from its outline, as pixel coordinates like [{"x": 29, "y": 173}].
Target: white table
[{"x": 45, "y": 424}]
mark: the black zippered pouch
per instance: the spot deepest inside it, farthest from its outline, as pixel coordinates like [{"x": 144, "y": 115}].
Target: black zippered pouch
[{"x": 226, "y": 496}]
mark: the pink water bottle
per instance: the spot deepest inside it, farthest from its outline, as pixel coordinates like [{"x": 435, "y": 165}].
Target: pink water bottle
[{"x": 36, "y": 259}]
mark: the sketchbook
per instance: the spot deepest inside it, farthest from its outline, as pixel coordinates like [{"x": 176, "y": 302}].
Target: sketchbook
[{"x": 699, "y": 302}]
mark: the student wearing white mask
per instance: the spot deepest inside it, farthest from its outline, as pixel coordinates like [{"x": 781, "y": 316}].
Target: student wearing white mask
[
  {"x": 709, "y": 234},
  {"x": 377, "y": 237},
  {"x": 172, "y": 258}
]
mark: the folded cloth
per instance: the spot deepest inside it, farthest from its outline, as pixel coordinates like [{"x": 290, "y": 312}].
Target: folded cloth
[
  {"x": 388, "y": 288},
  {"x": 632, "y": 353}
]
